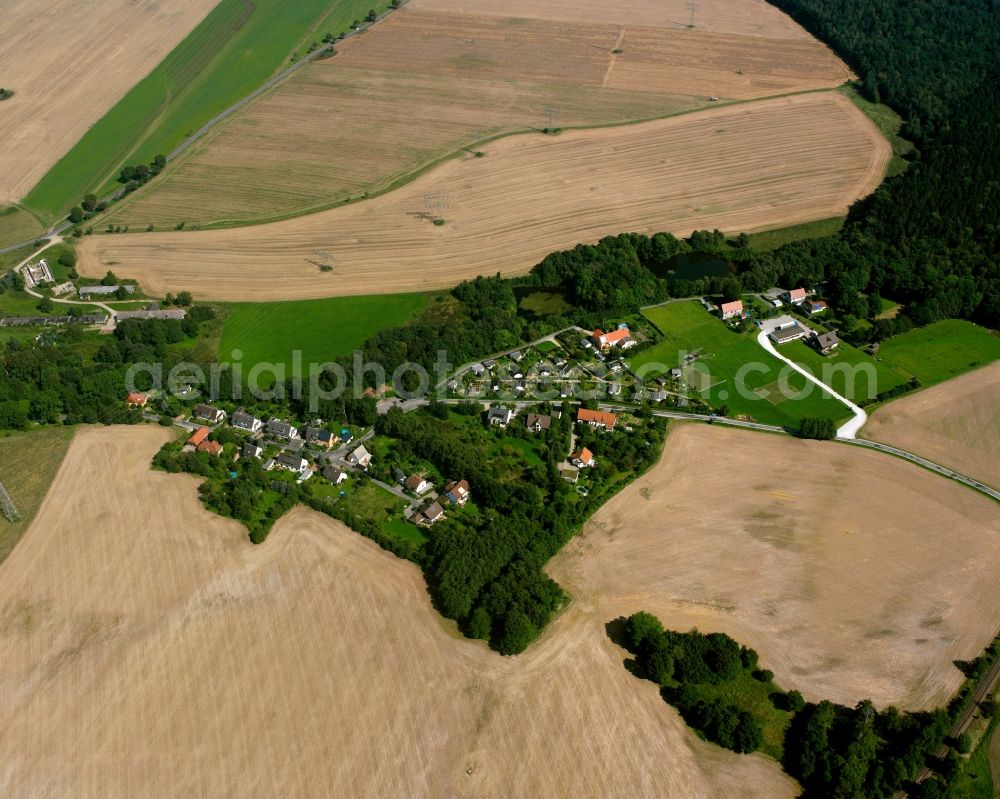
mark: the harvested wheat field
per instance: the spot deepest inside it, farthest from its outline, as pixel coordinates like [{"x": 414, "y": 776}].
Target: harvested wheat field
[
  {"x": 69, "y": 61},
  {"x": 955, "y": 423},
  {"x": 426, "y": 82},
  {"x": 149, "y": 649},
  {"x": 744, "y": 17},
  {"x": 739, "y": 168},
  {"x": 852, "y": 573}
]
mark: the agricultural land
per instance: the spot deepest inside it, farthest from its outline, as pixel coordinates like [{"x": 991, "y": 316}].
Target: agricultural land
[
  {"x": 956, "y": 423},
  {"x": 742, "y": 167},
  {"x": 317, "y": 642},
  {"x": 320, "y": 330},
  {"x": 427, "y": 83},
  {"x": 68, "y": 62},
  {"x": 941, "y": 350},
  {"x": 28, "y": 465},
  {"x": 791, "y": 557},
  {"x": 234, "y": 50}
]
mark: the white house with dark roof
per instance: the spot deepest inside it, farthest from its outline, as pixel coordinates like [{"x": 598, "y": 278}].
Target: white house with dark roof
[
  {"x": 246, "y": 421},
  {"x": 282, "y": 429},
  {"x": 498, "y": 416},
  {"x": 210, "y": 413}
]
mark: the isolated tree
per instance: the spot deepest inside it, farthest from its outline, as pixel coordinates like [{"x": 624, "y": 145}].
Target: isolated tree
[
  {"x": 76, "y": 214},
  {"x": 45, "y": 305},
  {"x": 372, "y": 16},
  {"x": 89, "y": 202},
  {"x": 184, "y": 298}
]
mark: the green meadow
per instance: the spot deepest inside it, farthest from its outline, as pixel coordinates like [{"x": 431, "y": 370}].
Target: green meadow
[
  {"x": 233, "y": 51},
  {"x": 847, "y": 370},
  {"x": 321, "y": 329},
  {"x": 732, "y": 369},
  {"x": 940, "y": 350}
]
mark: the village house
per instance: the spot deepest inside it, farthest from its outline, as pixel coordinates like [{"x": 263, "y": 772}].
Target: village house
[
  {"x": 477, "y": 369},
  {"x": 251, "y": 450},
  {"x": 499, "y": 417},
  {"x": 360, "y": 457},
  {"x": 320, "y": 437},
  {"x": 730, "y": 309},
  {"x": 430, "y": 514},
  {"x": 456, "y": 493},
  {"x": 417, "y": 484},
  {"x": 614, "y": 389},
  {"x": 211, "y": 447},
  {"x": 335, "y": 475},
  {"x": 583, "y": 458},
  {"x": 269, "y": 464},
  {"x": 816, "y": 306},
  {"x": 825, "y": 342},
  {"x": 601, "y": 420},
  {"x": 620, "y": 338},
  {"x": 795, "y": 296},
  {"x": 293, "y": 463},
  {"x": 210, "y": 414},
  {"x": 198, "y": 436},
  {"x": 536, "y": 422},
  {"x": 787, "y": 332},
  {"x": 246, "y": 421},
  {"x": 282, "y": 429},
  {"x": 136, "y": 400},
  {"x": 63, "y": 288},
  {"x": 517, "y": 356}
]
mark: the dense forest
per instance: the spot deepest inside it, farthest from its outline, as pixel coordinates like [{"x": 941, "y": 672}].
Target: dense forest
[{"x": 930, "y": 237}]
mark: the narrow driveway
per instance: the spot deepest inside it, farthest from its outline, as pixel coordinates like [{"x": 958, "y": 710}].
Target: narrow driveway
[{"x": 847, "y": 430}]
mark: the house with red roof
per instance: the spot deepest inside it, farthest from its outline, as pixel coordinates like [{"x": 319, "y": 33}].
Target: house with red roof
[
  {"x": 211, "y": 447},
  {"x": 199, "y": 436},
  {"x": 795, "y": 296},
  {"x": 136, "y": 400},
  {"x": 730, "y": 309},
  {"x": 620, "y": 338},
  {"x": 602, "y": 420},
  {"x": 583, "y": 458}
]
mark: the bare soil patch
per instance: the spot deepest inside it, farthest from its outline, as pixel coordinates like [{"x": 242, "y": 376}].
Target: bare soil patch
[
  {"x": 955, "y": 423},
  {"x": 739, "y": 168},
  {"x": 853, "y": 574},
  {"x": 68, "y": 62},
  {"x": 149, "y": 649},
  {"x": 428, "y": 81}
]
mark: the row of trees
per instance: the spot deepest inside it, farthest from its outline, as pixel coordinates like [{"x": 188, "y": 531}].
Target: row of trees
[{"x": 131, "y": 178}]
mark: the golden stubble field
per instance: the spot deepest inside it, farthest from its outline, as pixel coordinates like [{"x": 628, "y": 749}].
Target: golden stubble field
[
  {"x": 68, "y": 62},
  {"x": 853, "y": 574},
  {"x": 146, "y": 648},
  {"x": 436, "y": 77},
  {"x": 739, "y": 168},
  {"x": 955, "y": 423}
]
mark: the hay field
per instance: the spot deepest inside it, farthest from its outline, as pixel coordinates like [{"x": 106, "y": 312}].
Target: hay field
[
  {"x": 69, "y": 61},
  {"x": 955, "y": 423},
  {"x": 426, "y": 82},
  {"x": 161, "y": 654},
  {"x": 740, "y": 168},
  {"x": 853, "y": 574},
  {"x": 744, "y": 17}
]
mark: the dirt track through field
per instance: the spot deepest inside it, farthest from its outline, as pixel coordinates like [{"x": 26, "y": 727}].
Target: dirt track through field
[
  {"x": 146, "y": 648},
  {"x": 853, "y": 574},
  {"x": 68, "y": 62},
  {"x": 739, "y": 168},
  {"x": 955, "y": 423}
]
